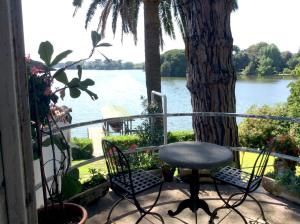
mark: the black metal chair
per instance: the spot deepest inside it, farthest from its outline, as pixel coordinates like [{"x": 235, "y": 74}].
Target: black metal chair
[
  {"x": 245, "y": 182},
  {"x": 127, "y": 183}
]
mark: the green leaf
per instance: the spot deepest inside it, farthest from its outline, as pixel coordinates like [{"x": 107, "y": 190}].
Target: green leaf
[
  {"x": 62, "y": 93},
  {"x": 96, "y": 37},
  {"x": 45, "y": 52},
  {"x": 87, "y": 82},
  {"x": 79, "y": 68},
  {"x": 91, "y": 94},
  {"x": 61, "y": 76},
  {"x": 59, "y": 57},
  {"x": 75, "y": 92},
  {"x": 75, "y": 82},
  {"x": 57, "y": 140},
  {"x": 104, "y": 45},
  {"x": 47, "y": 142}
]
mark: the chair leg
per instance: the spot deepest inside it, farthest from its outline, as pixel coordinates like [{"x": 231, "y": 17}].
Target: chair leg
[
  {"x": 112, "y": 208},
  {"x": 227, "y": 205},
  {"x": 148, "y": 211},
  {"x": 260, "y": 207}
]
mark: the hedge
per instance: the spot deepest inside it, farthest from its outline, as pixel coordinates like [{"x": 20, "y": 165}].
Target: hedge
[
  {"x": 125, "y": 141},
  {"x": 83, "y": 148}
]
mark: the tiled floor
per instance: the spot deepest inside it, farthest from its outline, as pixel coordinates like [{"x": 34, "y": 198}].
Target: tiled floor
[{"x": 277, "y": 211}]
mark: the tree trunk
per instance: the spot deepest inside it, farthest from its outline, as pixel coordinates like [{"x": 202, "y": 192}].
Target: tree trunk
[
  {"x": 152, "y": 39},
  {"x": 211, "y": 78}
]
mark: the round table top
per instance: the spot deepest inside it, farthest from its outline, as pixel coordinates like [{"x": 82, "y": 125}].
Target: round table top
[{"x": 195, "y": 155}]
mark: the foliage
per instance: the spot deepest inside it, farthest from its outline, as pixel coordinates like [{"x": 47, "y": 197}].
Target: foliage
[
  {"x": 40, "y": 81},
  {"x": 288, "y": 179},
  {"x": 296, "y": 70},
  {"x": 284, "y": 144},
  {"x": 293, "y": 108},
  {"x": 181, "y": 136},
  {"x": 173, "y": 63},
  {"x": 71, "y": 184},
  {"x": 83, "y": 148},
  {"x": 99, "y": 64},
  {"x": 264, "y": 59},
  {"x": 250, "y": 69},
  {"x": 128, "y": 11},
  {"x": 124, "y": 141},
  {"x": 44, "y": 112},
  {"x": 256, "y": 133},
  {"x": 150, "y": 131},
  {"x": 146, "y": 160},
  {"x": 266, "y": 66},
  {"x": 95, "y": 178},
  {"x": 240, "y": 60}
]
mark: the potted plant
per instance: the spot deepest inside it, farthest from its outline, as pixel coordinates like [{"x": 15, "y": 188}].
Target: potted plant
[
  {"x": 286, "y": 185},
  {"x": 93, "y": 188},
  {"x": 286, "y": 145},
  {"x": 46, "y": 133},
  {"x": 168, "y": 172}
]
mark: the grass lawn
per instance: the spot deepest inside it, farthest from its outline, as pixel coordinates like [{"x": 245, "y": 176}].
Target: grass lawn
[
  {"x": 247, "y": 159},
  {"x": 84, "y": 170}
]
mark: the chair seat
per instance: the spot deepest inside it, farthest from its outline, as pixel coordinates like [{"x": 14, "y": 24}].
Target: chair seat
[
  {"x": 141, "y": 179},
  {"x": 237, "y": 177}
]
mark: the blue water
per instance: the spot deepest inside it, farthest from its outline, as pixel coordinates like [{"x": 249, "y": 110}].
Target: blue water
[{"x": 125, "y": 88}]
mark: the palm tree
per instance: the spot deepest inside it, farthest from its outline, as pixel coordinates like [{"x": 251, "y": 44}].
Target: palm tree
[
  {"x": 205, "y": 26},
  {"x": 157, "y": 13},
  {"x": 211, "y": 78}
]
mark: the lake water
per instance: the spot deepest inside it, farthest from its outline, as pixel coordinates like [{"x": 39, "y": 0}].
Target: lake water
[{"x": 125, "y": 88}]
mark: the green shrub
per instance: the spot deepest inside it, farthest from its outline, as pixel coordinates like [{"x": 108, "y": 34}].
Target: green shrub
[
  {"x": 71, "y": 184},
  {"x": 255, "y": 133},
  {"x": 181, "y": 136},
  {"x": 95, "y": 179},
  {"x": 83, "y": 150},
  {"x": 146, "y": 160},
  {"x": 293, "y": 107},
  {"x": 124, "y": 142},
  {"x": 288, "y": 179}
]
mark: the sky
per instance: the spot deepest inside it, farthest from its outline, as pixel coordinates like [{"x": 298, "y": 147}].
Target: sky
[{"x": 271, "y": 21}]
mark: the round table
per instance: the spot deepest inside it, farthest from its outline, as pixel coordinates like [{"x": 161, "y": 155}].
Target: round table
[{"x": 194, "y": 155}]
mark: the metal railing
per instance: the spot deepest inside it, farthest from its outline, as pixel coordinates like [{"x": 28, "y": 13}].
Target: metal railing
[{"x": 204, "y": 114}]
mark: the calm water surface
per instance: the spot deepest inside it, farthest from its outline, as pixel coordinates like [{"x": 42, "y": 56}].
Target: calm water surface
[{"x": 125, "y": 88}]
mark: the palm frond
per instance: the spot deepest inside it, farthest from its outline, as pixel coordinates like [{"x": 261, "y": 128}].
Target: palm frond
[
  {"x": 91, "y": 11},
  {"x": 77, "y": 4},
  {"x": 235, "y": 5},
  {"x": 103, "y": 18},
  {"x": 179, "y": 17},
  {"x": 165, "y": 15}
]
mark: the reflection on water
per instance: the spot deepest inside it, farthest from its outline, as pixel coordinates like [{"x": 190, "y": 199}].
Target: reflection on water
[{"x": 125, "y": 88}]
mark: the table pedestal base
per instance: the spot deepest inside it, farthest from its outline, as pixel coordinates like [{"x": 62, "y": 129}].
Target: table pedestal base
[{"x": 194, "y": 202}]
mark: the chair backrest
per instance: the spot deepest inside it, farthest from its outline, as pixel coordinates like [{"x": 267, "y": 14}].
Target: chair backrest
[
  {"x": 117, "y": 164},
  {"x": 259, "y": 168}
]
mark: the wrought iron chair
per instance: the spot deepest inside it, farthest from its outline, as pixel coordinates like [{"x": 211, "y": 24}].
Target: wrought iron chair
[
  {"x": 245, "y": 182},
  {"x": 127, "y": 183}
]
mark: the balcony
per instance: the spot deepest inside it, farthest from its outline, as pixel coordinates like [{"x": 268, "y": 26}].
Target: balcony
[{"x": 277, "y": 210}]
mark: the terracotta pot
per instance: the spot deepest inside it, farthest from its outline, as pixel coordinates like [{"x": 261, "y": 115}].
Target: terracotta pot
[{"x": 68, "y": 213}]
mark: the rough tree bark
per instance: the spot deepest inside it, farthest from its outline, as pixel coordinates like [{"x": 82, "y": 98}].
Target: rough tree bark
[
  {"x": 152, "y": 40},
  {"x": 211, "y": 78}
]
